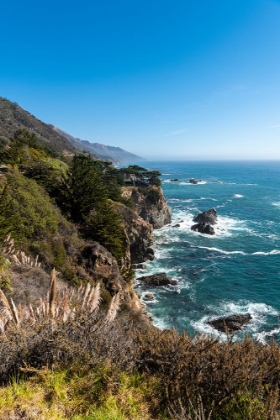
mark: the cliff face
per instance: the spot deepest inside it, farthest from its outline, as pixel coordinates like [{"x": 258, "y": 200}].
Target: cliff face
[
  {"x": 139, "y": 235},
  {"x": 151, "y": 211},
  {"x": 150, "y": 205}
]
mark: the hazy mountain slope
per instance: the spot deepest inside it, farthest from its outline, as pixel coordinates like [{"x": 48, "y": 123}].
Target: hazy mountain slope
[
  {"x": 115, "y": 154},
  {"x": 13, "y": 117}
]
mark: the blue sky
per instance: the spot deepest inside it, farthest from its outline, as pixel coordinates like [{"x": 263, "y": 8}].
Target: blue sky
[{"x": 192, "y": 79}]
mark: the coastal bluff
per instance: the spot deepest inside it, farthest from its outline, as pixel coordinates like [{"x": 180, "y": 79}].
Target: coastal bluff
[
  {"x": 150, "y": 212},
  {"x": 149, "y": 206}
]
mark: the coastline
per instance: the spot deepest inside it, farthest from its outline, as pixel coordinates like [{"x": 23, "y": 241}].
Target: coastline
[{"x": 233, "y": 272}]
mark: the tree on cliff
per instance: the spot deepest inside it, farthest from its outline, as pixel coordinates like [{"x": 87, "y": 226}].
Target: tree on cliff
[
  {"x": 143, "y": 176},
  {"x": 84, "y": 198}
]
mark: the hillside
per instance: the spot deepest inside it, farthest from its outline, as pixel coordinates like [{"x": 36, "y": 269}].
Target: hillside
[
  {"x": 115, "y": 154},
  {"x": 13, "y": 117}
]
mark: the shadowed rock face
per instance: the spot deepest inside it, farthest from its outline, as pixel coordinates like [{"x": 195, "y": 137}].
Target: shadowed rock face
[
  {"x": 139, "y": 223},
  {"x": 101, "y": 265},
  {"x": 139, "y": 235},
  {"x": 203, "y": 228},
  {"x": 230, "y": 323},
  {"x": 208, "y": 217},
  {"x": 160, "y": 279}
]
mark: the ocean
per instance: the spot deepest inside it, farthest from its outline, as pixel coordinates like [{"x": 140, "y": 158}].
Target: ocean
[{"x": 236, "y": 271}]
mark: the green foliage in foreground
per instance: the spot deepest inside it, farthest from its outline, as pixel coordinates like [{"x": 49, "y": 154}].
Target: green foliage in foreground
[
  {"x": 35, "y": 224},
  {"x": 80, "y": 393},
  {"x": 26, "y": 211}
]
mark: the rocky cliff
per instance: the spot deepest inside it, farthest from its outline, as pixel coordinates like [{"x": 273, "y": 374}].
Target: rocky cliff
[
  {"x": 150, "y": 205},
  {"x": 139, "y": 235}
]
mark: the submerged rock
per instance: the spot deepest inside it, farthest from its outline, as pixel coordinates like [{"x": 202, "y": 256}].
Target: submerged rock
[
  {"x": 203, "y": 228},
  {"x": 160, "y": 279},
  {"x": 208, "y": 217},
  {"x": 230, "y": 323}
]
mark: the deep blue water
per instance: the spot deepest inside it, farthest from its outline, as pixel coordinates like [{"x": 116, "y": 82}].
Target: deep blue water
[{"x": 235, "y": 271}]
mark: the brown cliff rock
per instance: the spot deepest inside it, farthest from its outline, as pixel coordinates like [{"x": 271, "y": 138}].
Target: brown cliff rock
[
  {"x": 101, "y": 265},
  {"x": 139, "y": 235},
  {"x": 150, "y": 204}
]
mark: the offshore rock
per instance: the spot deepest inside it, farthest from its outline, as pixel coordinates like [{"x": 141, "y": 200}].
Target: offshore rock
[
  {"x": 141, "y": 266},
  {"x": 149, "y": 296},
  {"x": 194, "y": 181},
  {"x": 160, "y": 279},
  {"x": 150, "y": 204},
  {"x": 203, "y": 228},
  {"x": 230, "y": 323},
  {"x": 208, "y": 217},
  {"x": 139, "y": 235}
]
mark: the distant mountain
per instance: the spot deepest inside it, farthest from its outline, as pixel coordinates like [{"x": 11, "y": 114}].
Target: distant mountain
[
  {"x": 13, "y": 117},
  {"x": 101, "y": 151}
]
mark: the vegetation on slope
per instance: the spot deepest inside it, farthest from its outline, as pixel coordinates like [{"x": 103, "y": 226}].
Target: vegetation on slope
[{"x": 13, "y": 118}]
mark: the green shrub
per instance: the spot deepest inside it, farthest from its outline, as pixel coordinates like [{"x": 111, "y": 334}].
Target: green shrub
[{"x": 25, "y": 210}]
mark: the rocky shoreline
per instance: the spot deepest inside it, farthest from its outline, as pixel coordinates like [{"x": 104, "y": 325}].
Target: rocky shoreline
[{"x": 204, "y": 224}]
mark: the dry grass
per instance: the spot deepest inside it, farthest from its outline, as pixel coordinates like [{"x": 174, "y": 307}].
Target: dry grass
[{"x": 198, "y": 378}]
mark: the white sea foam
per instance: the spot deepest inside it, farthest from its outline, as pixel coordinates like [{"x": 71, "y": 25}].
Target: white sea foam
[
  {"x": 238, "y": 196},
  {"x": 203, "y": 327},
  {"x": 160, "y": 324},
  {"x": 273, "y": 252},
  {"x": 264, "y": 335},
  {"x": 277, "y": 204},
  {"x": 258, "y": 312},
  {"x": 206, "y": 198},
  {"x": 221, "y": 251},
  {"x": 252, "y": 308},
  {"x": 225, "y": 226},
  {"x": 146, "y": 301},
  {"x": 190, "y": 183}
]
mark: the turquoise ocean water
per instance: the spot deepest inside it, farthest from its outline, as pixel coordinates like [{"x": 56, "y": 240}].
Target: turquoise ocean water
[{"x": 237, "y": 270}]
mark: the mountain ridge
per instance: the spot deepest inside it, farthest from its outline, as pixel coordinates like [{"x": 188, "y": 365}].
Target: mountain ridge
[
  {"x": 13, "y": 117},
  {"x": 103, "y": 151}
]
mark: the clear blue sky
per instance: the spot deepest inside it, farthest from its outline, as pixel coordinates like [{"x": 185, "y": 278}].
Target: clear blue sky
[{"x": 190, "y": 79}]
